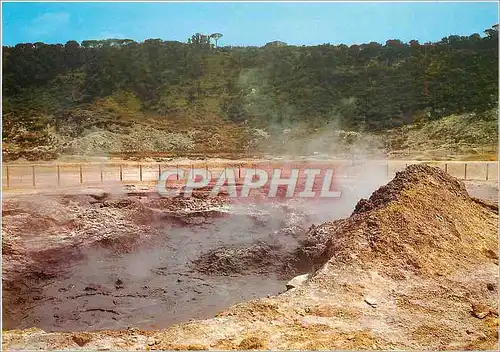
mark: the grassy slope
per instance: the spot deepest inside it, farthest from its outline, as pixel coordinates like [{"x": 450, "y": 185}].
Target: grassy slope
[{"x": 470, "y": 137}]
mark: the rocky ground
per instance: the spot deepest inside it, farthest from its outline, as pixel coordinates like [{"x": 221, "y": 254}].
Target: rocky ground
[{"x": 415, "y": 266}]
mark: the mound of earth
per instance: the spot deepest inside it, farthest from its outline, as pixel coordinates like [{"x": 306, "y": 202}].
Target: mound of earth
[
  {"x": 414, "y": 267},
  {"x": 259, "y": 258},
  {"x": 272, "y": 254}
]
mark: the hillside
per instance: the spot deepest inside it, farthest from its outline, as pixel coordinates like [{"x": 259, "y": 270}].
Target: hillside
[
  {"x": 94, "y": 97},
  {"x": 461, "y": 137}
]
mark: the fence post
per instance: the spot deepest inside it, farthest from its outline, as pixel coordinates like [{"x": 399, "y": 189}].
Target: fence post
[
  {"x": 140, "y": 172},
  {"x": 58, "y": 176},
  {"x": 487, "y": 170},
  {"x": 159, "y": 171},
  {"x": 33, "y": 170},
  {"x": 446, "y": 167},
  {"x": 121, "y": 172},
  {"x": 102, "y": 178},
  {"x": 7, "y": 174},
  {"x": 465, "y": 171},
  {"x": 177, "y": 172},
  {"x": 81, "y": 174}
]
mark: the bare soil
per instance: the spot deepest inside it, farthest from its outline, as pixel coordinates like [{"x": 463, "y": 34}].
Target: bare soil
[{"x": 415, "y": 266}]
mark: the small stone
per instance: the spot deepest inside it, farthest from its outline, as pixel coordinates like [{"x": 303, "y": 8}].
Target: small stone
[
  {"x": 81, "y": 339},
  {"x": 252, "y": 343},
  {"x": 490, "y": 286},
  {"x": 491, "y": 254},
  {"x": 297, "y": 281},
  {"x": 119, "y": 284},
  {"x": 372, "y": 302},
  {"x": 480, "y": 310},
  {"x": 481, "y": 336}
]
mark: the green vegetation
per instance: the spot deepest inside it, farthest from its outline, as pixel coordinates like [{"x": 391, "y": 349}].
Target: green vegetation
[
  {"x": 467, "y": 136},
  {"x": 208, "y": 98}
]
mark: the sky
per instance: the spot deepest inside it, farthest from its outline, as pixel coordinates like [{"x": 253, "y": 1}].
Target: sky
[{"x": 245, "y": 23}]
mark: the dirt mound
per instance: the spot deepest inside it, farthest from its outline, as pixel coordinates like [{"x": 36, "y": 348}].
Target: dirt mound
[
  {"x": 423, "y": 221},
  {"x": 270, "y": 254},
  {"x": 227, "y": 261},
  {"x": 414, "y": 267},
  {"x": 258, "y": 258},
  {"x": 414, "y": 174}
]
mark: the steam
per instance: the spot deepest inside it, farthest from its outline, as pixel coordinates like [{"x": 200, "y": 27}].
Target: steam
[{"x": 359, "y": 158}]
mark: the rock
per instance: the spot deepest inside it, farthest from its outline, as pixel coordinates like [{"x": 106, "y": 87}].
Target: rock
[
  {"x": 81, "y": 338},
  {"x": 372, "y": 302},
  {"x": 119, "y": 284},
  {"x": 491, "y": 254},
  {"x": 297, "y": 281},
  {"x": 480, "y": 310},
  {"x": 99, "y": 195},
  {"x": 490, "y": 286},
  {"x": 252, "y": 343}
]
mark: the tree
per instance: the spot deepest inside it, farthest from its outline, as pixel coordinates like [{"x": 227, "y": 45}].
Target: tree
[
  {"x": 216, "y": 37},
  {"x": 384, "y": 85},
  {"x": 199, "y": 40},
  {"x": 276, "y": 44}
]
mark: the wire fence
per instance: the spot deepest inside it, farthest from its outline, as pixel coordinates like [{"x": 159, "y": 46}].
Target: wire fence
[{"x": 71, "y": 174}]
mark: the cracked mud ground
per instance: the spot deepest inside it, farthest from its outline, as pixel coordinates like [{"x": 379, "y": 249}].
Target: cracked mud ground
[{"x": 90, "y": 262}]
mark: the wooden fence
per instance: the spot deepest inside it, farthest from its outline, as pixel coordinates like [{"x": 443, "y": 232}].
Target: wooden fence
[{"x": 73, "y": 174}]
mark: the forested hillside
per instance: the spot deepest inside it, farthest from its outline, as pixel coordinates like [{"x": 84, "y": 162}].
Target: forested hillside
[{"x": 197, "y": 96}]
